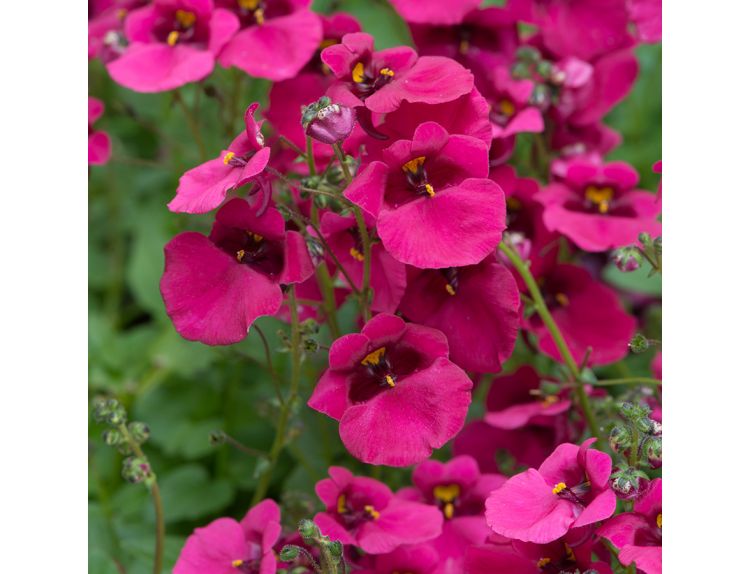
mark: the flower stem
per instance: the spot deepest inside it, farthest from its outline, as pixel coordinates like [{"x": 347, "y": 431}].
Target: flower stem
[
  {"x": 364, "y": 235},
  {"x": 627, "y": 381},
  {"x": 541, "y": 308},
  {"x": 310, "y": 156},
  {"x": 287, "y": 406}
]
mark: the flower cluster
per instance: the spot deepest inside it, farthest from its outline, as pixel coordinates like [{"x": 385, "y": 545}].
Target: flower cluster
[{"x": 457, "y": 194}]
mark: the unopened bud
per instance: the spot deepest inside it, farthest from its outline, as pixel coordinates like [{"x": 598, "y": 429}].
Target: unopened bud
[
  {"x": 336, "y": 549},
  {"x": 627, "y": 259},
  {"x": 217, "y": 438},
  {"x": 628, "y": 482},
  {"x": 328, "y": 122},
  {"x": 308, "y": 529},
  {"x": 139, "y": 431},
  {"x": 652, "y": 449},
  {"x": 289, "y": 553},
  {"x": 112, "y": 437},
  {"x": 619, "y": 439},
  {"x": 639, "y": 344}
]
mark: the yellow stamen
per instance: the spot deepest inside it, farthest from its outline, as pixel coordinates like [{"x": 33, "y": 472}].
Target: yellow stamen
[
  {"x": 559, "y": 487},
  {"x": 429, "y": 189},
  {"x": 446, "y": 492},
  {"x": 390, "y": 381},
  {"x": 237, "y": 563},
  {"x": 341, "y": 504},
  {"x": 463, "y": 47},
  {"x": 327, "y": 42},
  {"x": 600, "y": 196},
  {"x": 562, "y": 299},
  {"x": 121, "y": 13},
  {"x": 258, "y": 238},
  {"x": 172, "y": 38},
  {"x": 228, "y": 157},
  {"x": 550, "y": 400},
  {"x": 372, "y": 512},
  {"x": 248, "y": 4},
  {"x": 373, "y": 358},
  {"x": 542, "y": 562},
  {"x": 356, "y": 254},
  {"x": 449, "y": 510},
  {"x": 506, "y": 107},
  {"x": 449, "y": 288},
  {"x": 185, "y": 18},
  {"x": 240, "y": 255},
  {"x": 569, "y": 554},
  {"x": 413, "y": 165},
  {"x": 387, "y": 72},
  {"x": 358, "y": 73},
  {"x": 658, "y": 520},
  {"x": 260, "y": 16}
]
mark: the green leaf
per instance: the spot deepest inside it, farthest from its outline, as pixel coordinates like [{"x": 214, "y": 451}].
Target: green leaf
[
  {"x": 380, "y": 20},
  {"x": 635, "y": 281},
  {"x": 188, "y": 493}
]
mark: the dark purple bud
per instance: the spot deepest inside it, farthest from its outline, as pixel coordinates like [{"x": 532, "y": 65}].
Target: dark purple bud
[{"x": 331, "y": 124}]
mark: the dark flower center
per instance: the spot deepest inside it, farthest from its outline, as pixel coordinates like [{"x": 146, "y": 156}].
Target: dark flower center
[
  {"x": 416, "y": 176},
  {"x": 180, "y": 27},
  {"x": 352, "y": 511},
  {"x": 381, "y": 370},
  {"x": 369, "y": 78},
  {"x": 446, "y": 496},
  {"x": 601, "y": 199},
  {"x": 503, "y": 111},
  {"x": 254, "y": 250}
]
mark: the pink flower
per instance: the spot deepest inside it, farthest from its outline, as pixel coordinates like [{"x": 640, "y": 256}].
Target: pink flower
[
  {"x": 588, "y": 313},
  {"x": 276, "y": 40},
  {"x": 511, "y": 112},
  {"x": 570, "y": 490},
  {"x": 394, "y": 391},
  {"x": 364, "y": 512},
  {"x": 100, "y": 146},
  {"x": 434, "y": 11},
  {"x": 215, "y": 287},
  {"x": 227, "y": 547},
  {"x": 459, "y": 490},
  {"x": 598, "y": 207},
  {"x": 205, "y": 187},
  {"x": 172, "y": 43},
  {"x": 106, "y": 33},
  {"x": 477, "y": 307},
  {"x": 646, "y": 14},
  {"x": 517, "y": 400},
  {"x": 382, "y": 80},
  {"x": 388, "y": 276},
  {"x": 435, "y": 186},
  {"x": 638, "y": 534},
  {"x": 415, "y": 559}
]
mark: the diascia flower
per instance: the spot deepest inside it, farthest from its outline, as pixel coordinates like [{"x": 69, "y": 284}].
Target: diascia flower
[
  {"x": 459, "y": 490},
  {"x": 570, "y": 490},
  {"x": 364, "y": 512},
  {"x": 382, "y": 80},
  {"x": 394, "y": 391},
  {"x": 100, "y": 146},
  {"x": 204, "y": 188},
  {"x": 475, "y": 306},
  {"x": 172, "y": 43},
  {"x": 588, "y": 313},
  {"x": 415, "y": 559},
  {"x": 215, "y": 287},
  {"x": 638, "y": 534},
  {"x": 229, "y": 547},
  {"x": 277, "y": 37},
  {"x": 432, "y": 200},
  {"x": 598, "y": 207}
]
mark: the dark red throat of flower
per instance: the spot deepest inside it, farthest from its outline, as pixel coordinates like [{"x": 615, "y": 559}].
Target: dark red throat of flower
[
  {"x": 254, "y": 250},
  {"x": 368, "y": 79},
  {"x": 381, "y": 370}
]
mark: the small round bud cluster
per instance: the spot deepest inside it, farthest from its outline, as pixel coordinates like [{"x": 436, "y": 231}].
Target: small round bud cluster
[
  {"x": 628, "y": 259},
  {"x": 619, "y": 439},
  {"x": 109, "y": 411},
  {"x": 639, "y": 344},
  {"x": 628, "y": 482},
  {"x": 136, "y": 469}
]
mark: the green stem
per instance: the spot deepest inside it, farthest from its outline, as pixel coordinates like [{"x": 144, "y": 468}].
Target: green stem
[
  {"x": 287, "y": 405},
  {"x": 541, "y": 308},
  {"x": 310, "y": 156},
  {"x": 627, "y": 381},
  {"x": 364, "y": 235},
  {"x": 155, "y": 497},
  {"x": 192, "y": 124}
]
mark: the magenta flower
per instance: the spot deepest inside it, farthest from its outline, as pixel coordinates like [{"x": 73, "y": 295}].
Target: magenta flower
[
  {"x": 516, "y": 400},
  {"x": 415, "y": 559},
  {"x": 477, "y": 307},
  {"x": 570, "y": 490},
  {"x": 215, "y": 287},
  {"x": 100, "y": 146},
  {"x": 394, "y": 391},
  {"x": 205, "y": 187},
  {"x": 459, "y": 490},
  {"x": 588, "y": 313},
  {"x": 276, "y": 40},
  {"x": 106, "y": 28},
  {"x": 511, "y": 112},
  {"x": 638, "y": 534},
  {"x": 598, "y": 207},
  {"x": 435, "y": 187},
  {"x": 382, "y": 80},
  {"x": 387, "y": 276},
  {"x": 646, "y": 14},
  {"x": 434, "y": 11},
  {"x": 364, "y": 512},
  {"x": 229, "y": 547},
  {"x": 172, "y": 43}
]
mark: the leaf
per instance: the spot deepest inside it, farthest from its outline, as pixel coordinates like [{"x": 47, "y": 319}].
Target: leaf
[
  {"x": 188, "y": 493},
  {"x": 380, "y": 20},
  {"x": 635, "y": 281}
]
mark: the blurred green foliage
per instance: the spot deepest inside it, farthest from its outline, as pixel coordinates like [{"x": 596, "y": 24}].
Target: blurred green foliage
[{"x": 185, "y": 390}]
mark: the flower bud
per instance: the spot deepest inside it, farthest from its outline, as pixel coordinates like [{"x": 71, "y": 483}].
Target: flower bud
[
  {"x": 135, "y": 469},
  {"x": 639, "y": 344},
  {"x": 619, "y": 439},
  {"x": 627, "y": 259},
  {"x": 112, "y": 437},
  {"x": 628, "y": 483},
  {"x": 217, "y": 438},
  {"x": 634, "y": 412},
  {"x": 327, "y": 122},
  {"x": 289, "y": 553},
  {"x": 139, "y": 431},
  {"x": 308, "y": 529},
  {"x": 652, "y": 448},
  {"x": 336, "y": 549}
]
